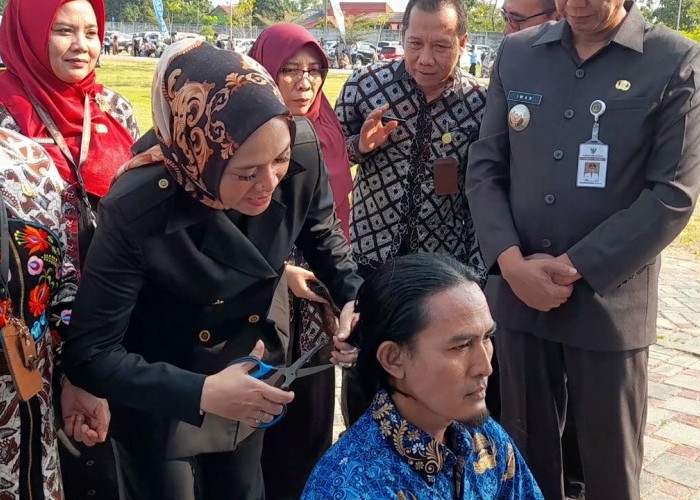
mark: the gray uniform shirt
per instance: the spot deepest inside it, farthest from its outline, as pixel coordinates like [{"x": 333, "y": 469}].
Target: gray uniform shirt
[{"x": 522, "y": 189}]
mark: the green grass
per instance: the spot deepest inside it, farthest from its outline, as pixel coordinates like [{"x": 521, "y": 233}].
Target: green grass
[{"x": 132, "y": 78}]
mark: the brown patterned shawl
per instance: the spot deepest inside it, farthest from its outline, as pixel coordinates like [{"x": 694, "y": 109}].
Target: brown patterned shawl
[{"x": 205, "y": 103}]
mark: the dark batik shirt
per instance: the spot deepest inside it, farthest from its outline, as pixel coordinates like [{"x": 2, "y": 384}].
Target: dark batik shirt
[
  {"x": 385, "y": 457},
  {"x": 395, "y": 208}
]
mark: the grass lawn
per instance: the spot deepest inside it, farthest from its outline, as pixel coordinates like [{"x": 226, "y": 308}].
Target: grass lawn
[{"x": 132, "y": 78}]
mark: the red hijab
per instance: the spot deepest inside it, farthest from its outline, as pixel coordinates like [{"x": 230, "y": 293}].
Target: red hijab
[
  {"x": 24, "y": 33},
  {"x": 274, "y": 47}
]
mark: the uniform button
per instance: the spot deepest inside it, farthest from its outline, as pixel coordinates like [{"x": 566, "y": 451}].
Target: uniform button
[
  {"x": 253, "y": 318},
  {"x": 549, "y": 199},
  {"x": 558, "y": 154},
  {"x": 90, "y": 462},
  {"x": 546, "y": 243},
  {"x": 204, "y": 336},
  {"x": 163, "y": 183},
  {"x": 569, "y": 114},
  {"x": 580, "y": 73},
  {"x": 91, "y": 493}
]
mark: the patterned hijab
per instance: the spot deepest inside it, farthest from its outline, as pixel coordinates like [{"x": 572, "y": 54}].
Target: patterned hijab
[{"x": 206, "y": 102}]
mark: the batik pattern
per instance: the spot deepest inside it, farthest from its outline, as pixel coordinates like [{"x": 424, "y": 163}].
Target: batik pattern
[
  {"x": 385, "y": 457},
  {"x": 395, "y": 208},
  {"x": 42, "y": 284}
]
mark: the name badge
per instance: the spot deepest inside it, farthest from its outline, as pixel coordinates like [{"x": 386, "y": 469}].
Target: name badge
[
  {"x": 592, "y": 165},
  {"x": 525, "y": 97}
]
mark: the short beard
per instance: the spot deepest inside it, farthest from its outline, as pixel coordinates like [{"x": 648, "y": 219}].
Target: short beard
[{"x": 477, "y": 420}]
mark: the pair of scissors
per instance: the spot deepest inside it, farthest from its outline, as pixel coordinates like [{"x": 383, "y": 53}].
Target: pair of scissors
[{"x": 282, "y": 376}]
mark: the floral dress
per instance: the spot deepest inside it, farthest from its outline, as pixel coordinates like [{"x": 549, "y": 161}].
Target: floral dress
[{"x": 42, "y": 288}]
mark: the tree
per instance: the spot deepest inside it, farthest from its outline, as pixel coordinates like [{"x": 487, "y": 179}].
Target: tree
[
  {"x": 3, "y": 4},
  {"x": 667, "y": 13},
  {"x": 242, "y": 16},
  {"x": 270, "y": 11},
  {"x": 483, "y": 16}
]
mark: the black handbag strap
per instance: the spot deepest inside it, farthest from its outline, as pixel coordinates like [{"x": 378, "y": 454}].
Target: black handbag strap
[
  {"x": 4, "y": 247},
  {"x": 61, "y": 143}
]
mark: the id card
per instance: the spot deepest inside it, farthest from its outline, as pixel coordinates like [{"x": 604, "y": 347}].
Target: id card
[{"x": 592, "y": 165}]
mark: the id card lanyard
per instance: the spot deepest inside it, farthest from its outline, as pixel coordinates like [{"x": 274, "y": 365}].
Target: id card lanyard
[
  {"x": 593, "y": 154},
  {"x": 84, "y": 148}
]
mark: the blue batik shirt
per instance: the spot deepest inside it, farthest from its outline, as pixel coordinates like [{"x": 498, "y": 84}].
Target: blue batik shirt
[{"x": 383, "y": 456}]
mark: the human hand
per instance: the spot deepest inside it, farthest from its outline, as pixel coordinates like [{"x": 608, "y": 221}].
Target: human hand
[
  {"x": 234, "y": 394},
  {"x": 565, "y": 280},
  {"x": 85, "y": 417},
  {"x": 531, "y": 278},
  {"x": 373, "y": 132},
  {"x": 559, "y": 279},
  {"x": 296, "y": 281},
  {"x": 345, "y": 354}
]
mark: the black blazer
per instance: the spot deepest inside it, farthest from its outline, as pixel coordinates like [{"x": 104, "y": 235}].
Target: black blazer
[{"x": 168, "y": 280}]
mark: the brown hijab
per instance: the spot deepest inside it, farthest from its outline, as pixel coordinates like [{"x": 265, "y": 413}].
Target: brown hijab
[{"x": 206, "y": 102}]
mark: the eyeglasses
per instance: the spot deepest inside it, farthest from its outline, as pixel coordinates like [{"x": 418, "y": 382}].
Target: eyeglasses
[
  {"x": 514, "y": 20},
  {"x": 291, "y": 75}
]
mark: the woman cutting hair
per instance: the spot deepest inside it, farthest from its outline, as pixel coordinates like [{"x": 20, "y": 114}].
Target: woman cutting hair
[{"x": 182, "y": 273}]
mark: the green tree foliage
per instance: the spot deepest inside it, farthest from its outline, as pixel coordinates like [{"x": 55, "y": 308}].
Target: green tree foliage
[
  {"x": 174, "y": 11},
  {"x": 483, "y": 16},
  {"x": 695, "y": 35},
  {"x": 667, "y": 13},
  {"x": 270, "y": 11},
  {"x": 242, "y": 16},
  {"x": 3, "y": 4}
]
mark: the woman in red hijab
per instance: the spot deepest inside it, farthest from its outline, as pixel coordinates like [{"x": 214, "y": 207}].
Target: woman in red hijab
[
  {"x": 48, "y": 93},
  {"x": 297, "y": 62},
  {"x": 50, "y": 48}
]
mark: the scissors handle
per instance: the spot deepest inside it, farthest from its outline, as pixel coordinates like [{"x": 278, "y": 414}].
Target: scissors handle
[
  {"x": 265, "y": 425},
  {"x": 261, "y": 370}
]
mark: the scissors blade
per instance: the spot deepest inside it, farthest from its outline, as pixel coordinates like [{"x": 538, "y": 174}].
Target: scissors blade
[
  {"x": 305, "y": 372},
  {"x": 290, "y": 373}
]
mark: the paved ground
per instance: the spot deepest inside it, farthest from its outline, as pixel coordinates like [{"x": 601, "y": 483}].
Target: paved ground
[{"x": 672, "y": 444}]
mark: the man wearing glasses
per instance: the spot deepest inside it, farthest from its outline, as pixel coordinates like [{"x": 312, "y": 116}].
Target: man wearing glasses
[{"x": 521, "y": 14}]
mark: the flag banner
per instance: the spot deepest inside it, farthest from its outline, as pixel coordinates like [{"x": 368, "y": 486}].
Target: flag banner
[
  {"x": 339, "y": 17},
  {"x": 158, "y": 7}
]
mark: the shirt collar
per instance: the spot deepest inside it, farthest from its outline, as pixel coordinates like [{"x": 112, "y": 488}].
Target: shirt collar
[
  {"x": 630, "y": 34},
  {"x": 424, "y": 454}
]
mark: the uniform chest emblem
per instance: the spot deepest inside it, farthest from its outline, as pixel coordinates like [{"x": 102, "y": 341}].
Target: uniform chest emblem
[
  {"x": 623, "y": 85},
  {"x": 519, "y": 117}
]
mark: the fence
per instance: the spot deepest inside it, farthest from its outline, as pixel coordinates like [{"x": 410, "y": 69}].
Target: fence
[{"x": 480, "y": 38}]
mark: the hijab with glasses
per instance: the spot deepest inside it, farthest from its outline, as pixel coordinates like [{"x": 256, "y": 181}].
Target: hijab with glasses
[{"x": 273, "y": 48}]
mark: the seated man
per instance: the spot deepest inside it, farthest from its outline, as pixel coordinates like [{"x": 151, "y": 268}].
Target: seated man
[{"x": 424, "y": 333}]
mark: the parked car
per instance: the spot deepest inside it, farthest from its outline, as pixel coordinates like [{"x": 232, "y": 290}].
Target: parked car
[
  {"x": 152, "y": 36},
  {"x": 243, "y": 45},
  {"x": 125, "y": 41},
  {"x": 391, "y": 51},
  {"x": 384, "y": 43},
  {"x": 366, "y": 52}
]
